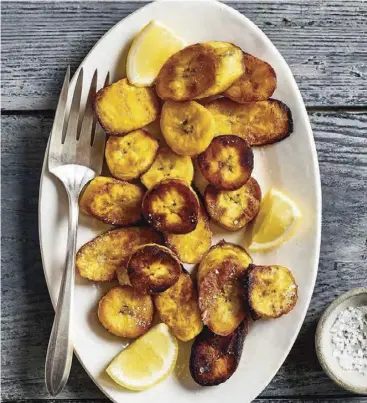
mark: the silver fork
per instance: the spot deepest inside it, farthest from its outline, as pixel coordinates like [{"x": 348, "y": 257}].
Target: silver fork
[{"x": 74, "y": 160}]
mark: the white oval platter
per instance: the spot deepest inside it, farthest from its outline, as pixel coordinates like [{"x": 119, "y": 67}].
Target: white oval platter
[{"x": 290, "y": 166}]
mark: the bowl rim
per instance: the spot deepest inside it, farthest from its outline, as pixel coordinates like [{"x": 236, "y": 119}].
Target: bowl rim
[{"x": 318, "y": 336}]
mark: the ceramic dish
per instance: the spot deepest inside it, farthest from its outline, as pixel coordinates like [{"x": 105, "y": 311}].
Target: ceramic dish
[
  {"x": 290, "y": 166},
  {"x": 349, "y": 380}
]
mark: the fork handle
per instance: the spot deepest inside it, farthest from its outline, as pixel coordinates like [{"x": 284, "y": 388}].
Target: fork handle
[{"x": 60, "y": 347}]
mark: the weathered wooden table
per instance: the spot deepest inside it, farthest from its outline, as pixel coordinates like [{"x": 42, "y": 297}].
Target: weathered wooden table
[{"x": 325, "y": 44}]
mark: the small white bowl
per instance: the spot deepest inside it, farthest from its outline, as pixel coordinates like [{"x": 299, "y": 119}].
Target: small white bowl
[{"x": 349, "y": 380}]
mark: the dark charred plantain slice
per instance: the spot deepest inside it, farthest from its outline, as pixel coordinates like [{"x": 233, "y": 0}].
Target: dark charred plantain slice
[
  {"x": 122, "y": 107},
  {"x": 169, "y": 165},
  {"x": 171, "y": 206},
  {"x": 130, "y": 156},
  {"x": 125, "y": 312},
  {"x": 153, "y": 268},
  {"x": 187, "y": 127},
  {"x": 272, "y": 291},
  {"x": 260, "y": 123},
  {"x": 257, "y": 83},
  {"x": 233, "y": 209},
  {"x": 221, "y": 298},
  {"x": 214, "y": 359},
  {"x": 104, "y": 256},
  {"x": 227, "y": 163},
  {"x": 178, "y": 308},
  {"x": 187, "y": 73},
  {"x": 191, "y": 247},
  {"x": 112, "y": 201}
]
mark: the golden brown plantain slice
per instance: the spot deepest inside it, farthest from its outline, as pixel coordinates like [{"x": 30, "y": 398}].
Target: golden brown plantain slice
[
  {"x": 229, "y": 66},
  {"x": 223, "y": 251},
  {"x": 260, "y": 123},
  {"x": 169, "y": 165},
  {"x": 233, "y": 209},
  {"x": 125, "y": 312},
  {"x": 214, "y": 359},
  {"x": 130, "y": 156},
  {"x": 122, "y": 107},
  {"x": 187, "y": 127},
  {"x": 153, "y": 268},
  {"x": 227, "y": 163},
  {"x": 272, "y": 291},
  {"x": 99, "y": 259},
  {"x": 191, "y": 247},
  {"x": 187, "y": 73},
  {"x": 256, "y": 84},
  {"x": 221, "y": 297},
  {"x": 171, "y": 206},
  {"x": 178, "y": 308},
  {"x": 112, "y": 201}
]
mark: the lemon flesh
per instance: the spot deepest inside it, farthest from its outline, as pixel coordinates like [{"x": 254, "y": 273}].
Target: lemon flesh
[
  {"x": 146, "y": 361},
  {"x": 151, "y": 48},
  {"x": 276, "y": 222}
]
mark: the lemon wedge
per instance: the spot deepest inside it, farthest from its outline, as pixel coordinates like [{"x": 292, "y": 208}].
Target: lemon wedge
[
  {"x": 146, "y": 361},
  {"x": 276, "y": 222},
  {"x": 151, "y": 48}
]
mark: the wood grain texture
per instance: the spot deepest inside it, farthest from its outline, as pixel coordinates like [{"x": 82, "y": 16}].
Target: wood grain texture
[
  {"x": 323, "y": 41},
  {"x": 26, "y": 309}
]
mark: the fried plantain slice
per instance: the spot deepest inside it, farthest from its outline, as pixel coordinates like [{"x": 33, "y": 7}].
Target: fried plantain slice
[
  {"x": 272, "y": 291},
  {"x": 257, "y": 83},
  {"x": 99, "y": 259},
  {"x": 122, "y": 107},
  {"x": 130, "y": 156},
  {"x": 227, "y": 163},
  {"x": 171, "y": 206},
  {"x": 168, "y": 165},
  {"x": 214, "y": 359},
  {"x": 221, "y": 297},
  {"x": 125, "y": 312},
  {"x": 191, "y": 247},
  {"x": 223, "y": 251},
  {"x": 233, "y": 209},
  {"x": 187, "y": 73},
  {"x": 153, "y": 268},
  {"x": 112, "y": 201},
  {"x": 229, "y": 67},
  {"x": 187, "y": 127},
  {"x": 178, "y": 308},
  {"x": 260, "y": 123}
]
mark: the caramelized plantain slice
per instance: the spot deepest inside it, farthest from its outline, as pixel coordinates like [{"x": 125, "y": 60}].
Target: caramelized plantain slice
[
  {"x": 122, "y": 107},
  {"x": 187, "y": 127},
  {"x": 168, "y": 165},
  {"x": 171, "y": 206},
  {"x": 221, "y": 297},
  {"x": 229, "y": 67},
  {"x": 125, "y": 312},
  {"x": 99, "y": 259},
  {"x": 260, "y": 123},
  {"x": 187, "y": 73},
  {"x": 153, "y": 268},
  {"x": 130, "y": 156},
  {"x": 191, "y": 247},
  {"x": 223, "y": 251},
  {"x": 257, "y": 83},
  {"x": 227, "y": 163},
  {"x": 178, "y": 308},
  {"x": 112, "y": 201},
  {"x": 272, "y": 291},
  {"x": 214, "y": 359},
  {"x": 233, "y": 209}
]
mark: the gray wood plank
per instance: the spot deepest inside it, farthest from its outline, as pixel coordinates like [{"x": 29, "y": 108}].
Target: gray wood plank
[
  {"x": 352, "y": 399},
  {"x": 324, "y": 42},
  {"x": 26, "y": 309}
]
